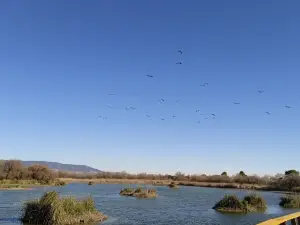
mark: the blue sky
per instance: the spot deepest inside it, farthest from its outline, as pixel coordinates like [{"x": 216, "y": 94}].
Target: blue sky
[{"x": 60, "y": 59}]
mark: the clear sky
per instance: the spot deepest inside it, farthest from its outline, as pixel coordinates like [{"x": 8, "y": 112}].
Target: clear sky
[{"x": 59, "y": 60}]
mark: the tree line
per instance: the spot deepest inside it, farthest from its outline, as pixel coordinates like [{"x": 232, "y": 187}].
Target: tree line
[{"x": 14, "y": 170}]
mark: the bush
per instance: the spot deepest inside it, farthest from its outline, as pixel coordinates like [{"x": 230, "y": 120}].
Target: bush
[
  {"x": 224, "y": 174},
  {"x": 250, "y": 203},
  {"x": 59, "y": 183},
  {"x": 290, "y": 201},
  {"x": 172, "y": 185},
  {"x": 139, "y": 192},
  {"x": 230, "y": 203},
  {"x": 255, "y": 202},
  {"x": 50, "y": 209}
]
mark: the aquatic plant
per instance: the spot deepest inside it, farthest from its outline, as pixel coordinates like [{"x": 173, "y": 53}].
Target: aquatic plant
[
  {"x": 231, "y": 203},
  {"x": 290, "y": 201},
  {"x": 51, "y": 209},
  {"x": 172, "y": 185},
  {"x": 139, "y": 192}
]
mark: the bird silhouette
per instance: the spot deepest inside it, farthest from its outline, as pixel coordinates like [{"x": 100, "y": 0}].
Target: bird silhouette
[
  {"x": 204, "y": 85},
  {"x": 198, "y": 121},
  {"x": 288, "y": 107},
  {"x": 110, "y": 106},
  {"x": 148, "y": 75},
  {"x": 174, "y": 116},
  {"x": 111, "y": 93},
  {"x": 179, "y": 63},
  {"x": 102, "y": 117},
  {"x": 268, "y": 113},
  {"x": 162, "y": 119},
  {"x": 236, "y": 103},
  {"x": 261, "y": 91},
  {"x": 180, "y": 52},
  {"x": 213, "y": 114},
  {"x": 197, "y": 110}
]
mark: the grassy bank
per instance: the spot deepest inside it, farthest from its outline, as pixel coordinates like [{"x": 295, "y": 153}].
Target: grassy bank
[
  {"x": 51, "y": 209},
  {"x": 164, "y": 183},
  {"x": 27, "y": 184}
]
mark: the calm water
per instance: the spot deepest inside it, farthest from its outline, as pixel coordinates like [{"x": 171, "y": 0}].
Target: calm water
[{"x": 185, "y": 206}]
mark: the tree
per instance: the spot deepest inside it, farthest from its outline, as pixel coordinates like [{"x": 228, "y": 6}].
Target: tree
[
  {"x": 241, "y": 173},
  {"x": 291, "y": 172},
  {"x": 224, "y": 174},
  {"x": 41, "y": 173},
  {"x": 12, "y": 169}
]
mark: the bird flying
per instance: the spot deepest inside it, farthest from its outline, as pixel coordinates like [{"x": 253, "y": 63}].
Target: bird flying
[
  {"x": 236, "y": 103},
  {"x": 179, "y": 63},
  {"x": 268, "y": 113},
  {"x": 288, "y": 107},
  {"x": 180, "y": 52},
  {"x": 148, "y": 75},
  {"x": 261, "y": 91}
]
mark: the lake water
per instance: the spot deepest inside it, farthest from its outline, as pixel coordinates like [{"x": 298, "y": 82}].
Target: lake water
[{"x": 183, "y": 206}]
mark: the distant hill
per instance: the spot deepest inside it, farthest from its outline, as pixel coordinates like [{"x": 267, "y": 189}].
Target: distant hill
[{"x": 64, "y": 167}]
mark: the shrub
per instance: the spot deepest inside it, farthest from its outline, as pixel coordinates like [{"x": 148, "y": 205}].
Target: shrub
[
  {"x": 224, "y": 174},
  {"x": 172, "y": 185},
  {"x": 290, "y": 201},
  {"x": 59, "y": 183},
  {"x": 255, "y": 202},
  {"x": 230, "y": 203},
  {"x": 50, "y": 209},
  {"x": 139, "y": 192},
  {"x": 250, "y": 203}
]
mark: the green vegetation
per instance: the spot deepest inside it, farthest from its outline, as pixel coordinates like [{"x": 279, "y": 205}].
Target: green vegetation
[
  {"x": 290, "y": 201},
  {"x": 291, "y": 172},
  {"x": 172, "y": 185},
  {"x": 139, "y": 192},
  {"x": 50, "y": 209},
  {"x": 59, "y": 183},
  {"x": 232, "y": 204},
  {"x": 224, "y": 174},
  {"x": 242, "y": 173}
]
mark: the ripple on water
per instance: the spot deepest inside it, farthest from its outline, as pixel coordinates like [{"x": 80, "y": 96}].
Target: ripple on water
[{"x": 185, "y": 206}]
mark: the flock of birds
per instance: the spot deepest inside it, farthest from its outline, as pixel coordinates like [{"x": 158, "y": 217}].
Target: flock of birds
[{"x": 206, "y": 116}]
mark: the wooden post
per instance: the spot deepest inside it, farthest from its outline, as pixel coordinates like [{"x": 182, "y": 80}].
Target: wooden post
[
  {"x": 298, "y": 220},
  {"x": 293, "y": 222}
]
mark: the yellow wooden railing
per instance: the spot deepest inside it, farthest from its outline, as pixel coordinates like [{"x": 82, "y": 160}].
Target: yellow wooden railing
[{"x": 294, "y": 218}]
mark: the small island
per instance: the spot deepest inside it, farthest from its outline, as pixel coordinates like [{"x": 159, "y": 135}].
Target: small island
[
  {"x": 51, "y": 209},
  {"x": 139, "y": 192},
  {"x": 172, "y": 185},
  {"x": 232, "y": 204},
  {"x": 291, "y": 201}
]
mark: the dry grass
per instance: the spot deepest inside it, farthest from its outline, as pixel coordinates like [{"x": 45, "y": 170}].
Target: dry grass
[{"x": 51, "y": 209}]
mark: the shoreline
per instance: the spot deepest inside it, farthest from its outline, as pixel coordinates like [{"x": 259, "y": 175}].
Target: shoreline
[{"x": 167, "y": 182}]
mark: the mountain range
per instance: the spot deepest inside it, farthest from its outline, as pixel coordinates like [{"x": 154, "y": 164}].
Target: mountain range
[{"x": 64, "y": 167}]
